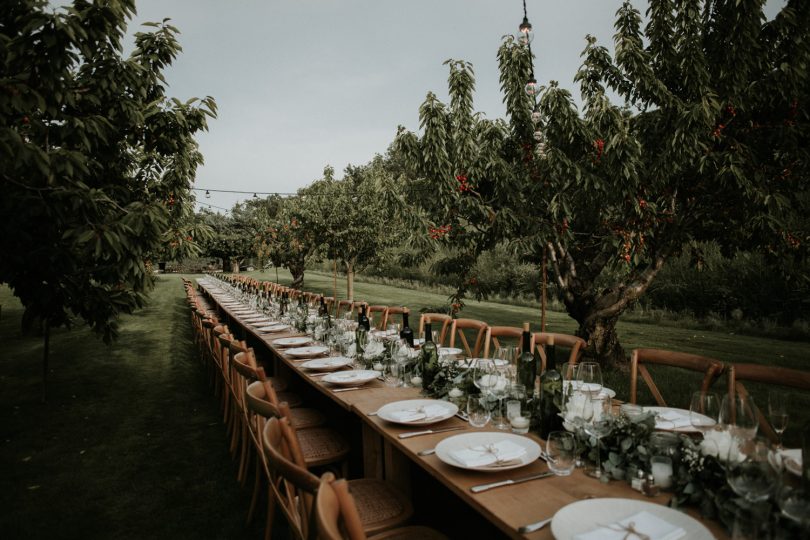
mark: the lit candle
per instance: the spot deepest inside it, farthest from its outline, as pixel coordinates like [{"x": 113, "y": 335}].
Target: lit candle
[
  {"x": 661, "y": 468},
  {"x": 455, "y": 392},
  {"x": 520, "y": 424},
  {"x": 378, "y": 367},
  {"x": 416, "y": 380}
]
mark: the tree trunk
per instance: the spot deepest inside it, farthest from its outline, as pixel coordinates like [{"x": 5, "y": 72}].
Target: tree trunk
[
  {"x": 297, "y": 271},
  {"x": 602, "y": 341},
  {"x": 349, "y": 280},
  {"x": 45, "y": 354},
  {"x": 224, "y": 264}
]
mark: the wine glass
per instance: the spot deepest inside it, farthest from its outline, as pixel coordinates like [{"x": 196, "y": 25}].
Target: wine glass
[
  {"x": 704, "y": 410},
  {"x": 739, "y": 413},
  {"x": 500, "y": 390},
  {"x": 750, "y": 473},
  {"x": 483, "y": 377},
  {"x": 777, "y": 414},
  {"x": 589, "y": 377},
  {"x": 598, "y": 423}
]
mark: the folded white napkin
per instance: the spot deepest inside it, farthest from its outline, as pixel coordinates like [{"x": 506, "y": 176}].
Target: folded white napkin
[
  {"x": 348, "y": 376},
  {"x": 674, "y": 419},
  {"x": 490, "y": 454},
  {"x": 413, "y": 415},
  {"x": 644, "y": 523}
]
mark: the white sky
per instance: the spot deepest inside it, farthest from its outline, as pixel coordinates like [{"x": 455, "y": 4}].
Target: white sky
[{"x": 305, "y": 83}]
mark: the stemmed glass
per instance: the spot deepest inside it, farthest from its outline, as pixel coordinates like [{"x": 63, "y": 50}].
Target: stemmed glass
[
  {"x": 739, "y": 413},
  {"x": 750, "y": 473},
  {"x": 500, "y": 390},
  {"x": 704, "y": 410},
  {"x": 484, "y": 377},
  {"x": 777, "y": 414},
  {"x": 598, "y": 423},
  {"x": 589, "y": 377}
]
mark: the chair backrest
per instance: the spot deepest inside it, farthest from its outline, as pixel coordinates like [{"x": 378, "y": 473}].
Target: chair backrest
[
  {"x": 460, "y": 329},
  {"x": 498, "y": 336},
  {"x": 768, "y": 375},
  {"x": 439, "y": 322},
  {"x": 356, "y": 305},
  {"x": 575, "y": 344},
  {"x": 393, "y": 310},
  {"x": 293, "y": 485},
  {"x": 710, "y": 367},
  {"x": 342, "y": 307},
  {"x": 336, "y": 511},
  {"x": 377, "y": 316}
]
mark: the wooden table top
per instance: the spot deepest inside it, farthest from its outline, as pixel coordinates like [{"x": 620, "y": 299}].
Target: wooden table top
[{"x": 505, "y": 507}]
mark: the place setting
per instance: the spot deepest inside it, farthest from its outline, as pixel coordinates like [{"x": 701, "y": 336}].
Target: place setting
[
  {"x": 273, "y": 328},
  {"x": 417, "y": 412}
]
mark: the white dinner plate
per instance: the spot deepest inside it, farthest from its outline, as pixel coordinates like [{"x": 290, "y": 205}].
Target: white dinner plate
[
  {"x": 470, "y": 362},
  {"x": 792, "y": 459},
  {"x": 671, "y": 424},
  {"x": 355, "y": 377},
  {"x": 590, "y": 514},
  {"x": 327, "y": 364},
  {"x": 299, "y": 341},
  {"x": 450, "y": 351},
  {"x": 258, "y": 321},
  {"x": 483, "y": 438},
  {"x": 307, "y": 352},
  {"x": 417, "y": 407},
  {"x": 273, "y": 328}
]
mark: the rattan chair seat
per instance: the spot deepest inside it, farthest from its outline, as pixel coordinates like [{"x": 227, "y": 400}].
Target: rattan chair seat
[
  {"x": 380, "y": 507},
  {"x": 322, "y": 445},
  {"x": 304, "y": 418},
  {"x": 292, "y": 399}
]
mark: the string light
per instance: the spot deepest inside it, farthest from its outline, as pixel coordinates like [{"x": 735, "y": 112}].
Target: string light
[{"x": 207, "y": 194}]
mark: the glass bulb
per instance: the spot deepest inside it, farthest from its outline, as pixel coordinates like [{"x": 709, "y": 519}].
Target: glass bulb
[
  {"x": 538, "y": 135},
  {"x": 525, "y": 35},
  {"x": 207, "y": 194},
  {"x": 536, "y": 116},
  {"x": 532, "y": 88}
]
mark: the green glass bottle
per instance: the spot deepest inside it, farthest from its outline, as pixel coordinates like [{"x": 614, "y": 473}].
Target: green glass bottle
[
  {"x": 527, "y": 367},
  {"x": 429, "y": 359},
  {"x": 550, "y": 393}
]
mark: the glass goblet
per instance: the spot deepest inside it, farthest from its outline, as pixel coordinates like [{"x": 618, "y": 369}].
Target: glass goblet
[
  {"x": 589, "y": 377},
  {"x": 778, "y": 413},
  {"x": 749, "y": 471},
  {"x": 704, "y": 409},
  {"x": 598, "y": 423},
  {"x": 739, "y": 413}
]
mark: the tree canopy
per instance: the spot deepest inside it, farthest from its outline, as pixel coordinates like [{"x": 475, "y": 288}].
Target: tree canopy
[
  {"x": 710, "y": 141},
  {"x": 96, "y": 160}
]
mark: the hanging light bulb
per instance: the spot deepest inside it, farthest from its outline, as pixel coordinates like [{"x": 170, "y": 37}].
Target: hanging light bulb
[
  {"x": 538, "y": 135},
  {"x": 531, "y": 87},
  {"x": 207, "y": 194},
  {"x": 536, "y": 117},
  {"x": 525, "y": 35},
  {"x": 255, "y": 196}
]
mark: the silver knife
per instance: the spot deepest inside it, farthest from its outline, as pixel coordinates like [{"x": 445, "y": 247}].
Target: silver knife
[
  {"x": 428, "y": 432},
  {"x": 510, "y": 481}
]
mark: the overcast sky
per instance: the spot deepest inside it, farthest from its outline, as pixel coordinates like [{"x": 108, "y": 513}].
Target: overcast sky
[{"x": 305, "y": 83}]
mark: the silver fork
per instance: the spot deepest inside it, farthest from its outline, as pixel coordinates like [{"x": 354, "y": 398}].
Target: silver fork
[{"x": 536, "y": 526}]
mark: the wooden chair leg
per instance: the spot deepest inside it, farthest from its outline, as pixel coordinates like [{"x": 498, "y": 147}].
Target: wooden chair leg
[
  {"x": 256, "y": 489},
  {"x": 271, "y": 509}
]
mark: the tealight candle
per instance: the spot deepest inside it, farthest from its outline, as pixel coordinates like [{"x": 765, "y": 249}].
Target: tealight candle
[
  {"x": 520, "y": 424},
  {"x": 455, "y": 392},
  {"x": 661, "y": 469},
  {"x": 378, "y": 366},
  {"x": 416, "y": 380}
]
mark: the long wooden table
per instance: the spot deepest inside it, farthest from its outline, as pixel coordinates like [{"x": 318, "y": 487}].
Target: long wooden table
[{"x": 387, "y": 456}]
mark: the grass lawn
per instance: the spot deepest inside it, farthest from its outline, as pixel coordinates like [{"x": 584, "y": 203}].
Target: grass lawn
[{"x": 130, "y": 443}]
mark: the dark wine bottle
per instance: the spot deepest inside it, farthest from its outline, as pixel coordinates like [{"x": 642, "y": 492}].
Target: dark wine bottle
[
  {"x": 550, "y": 393},
  {"x": 362, "y": 319},
  {"x": 429, "y": 359},
  {"x": 322, "y": 309},
  {"x": 527, "y": 367},
  {"x": 406, "y": 333}
]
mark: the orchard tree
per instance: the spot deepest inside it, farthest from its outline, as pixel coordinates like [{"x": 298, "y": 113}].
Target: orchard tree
[
  {"x": 710, "y": 142},
  {"x": 96, "y": 161},
  {"x": 228, "y": 241},
  {"x": 286, "y": 242}
]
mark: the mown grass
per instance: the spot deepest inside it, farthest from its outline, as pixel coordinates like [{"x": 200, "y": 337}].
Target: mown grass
[{"x": 130, "y": 442}]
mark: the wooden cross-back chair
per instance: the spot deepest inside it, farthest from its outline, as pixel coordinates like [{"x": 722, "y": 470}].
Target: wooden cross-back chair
[
  {"x": 439, "y": 322},
  {"x": 476, "y": 329},
  {"x": 710, "y": 367},
  {"x": 343, "y": 306},
  {"x": 498, "y": 336},
  {"x": 377, "y": 315},
  {"x": 768, "y": 375},
  {"x": 575, "y": 344},
  {"x": 381, "y": 506},
  {"x": 389, "y": 319},
  {"x": 262, "y": 403},
  {"x": 356, "y": 305},
  {"x": 338, "y": 517},
  {"x": 330, "y": 303}
]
